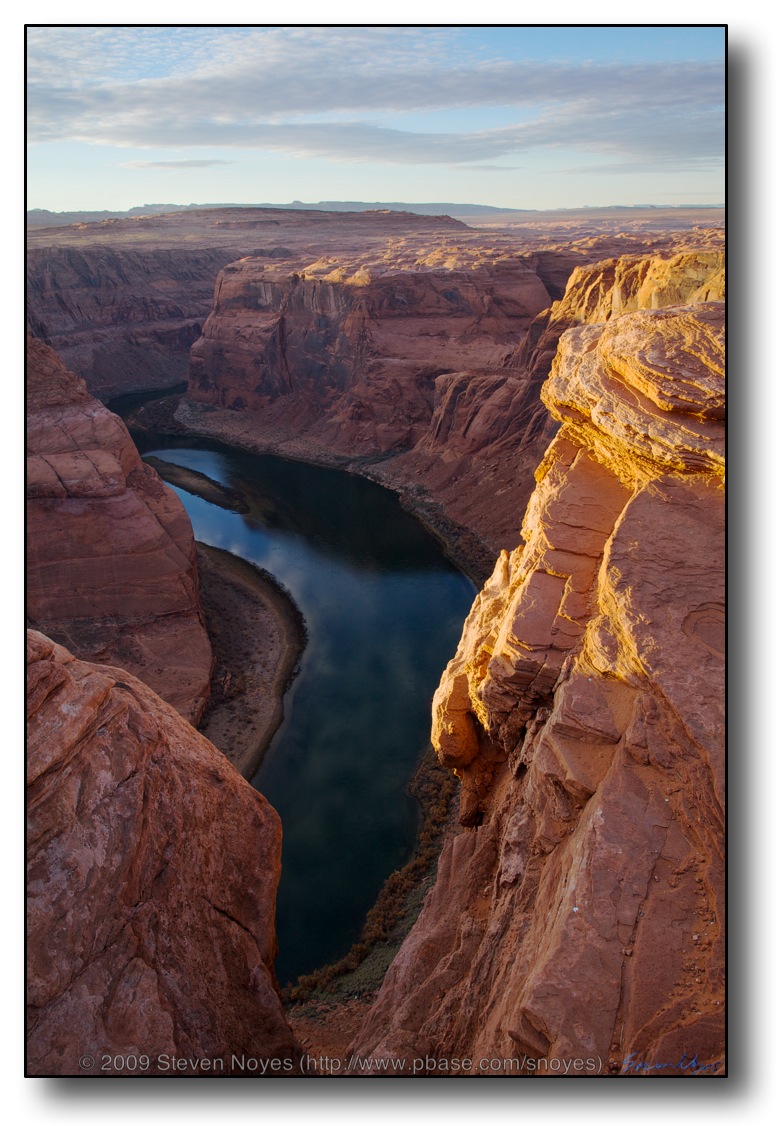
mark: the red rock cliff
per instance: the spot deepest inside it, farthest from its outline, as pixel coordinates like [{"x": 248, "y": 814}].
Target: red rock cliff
[
  {"x": 152, "y": 873},
  {"x": 579, "y": 915},
  {"x": 122, "y": 300},
  {"x": 111, "y": 563},
  {"x": 490, "y": 427},
  {"x": 354, "y": 344},
  {"x": 122, "y": 318},
  {"x": 427, "y": 365}
]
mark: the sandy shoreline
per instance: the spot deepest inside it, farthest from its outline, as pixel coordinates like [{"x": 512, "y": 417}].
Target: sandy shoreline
[{"x": 258, "y": 637}]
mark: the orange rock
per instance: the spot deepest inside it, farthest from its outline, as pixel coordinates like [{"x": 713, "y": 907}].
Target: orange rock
[
  {"x": 584, "y": 918},
  {"x": 152, "y": 873}
]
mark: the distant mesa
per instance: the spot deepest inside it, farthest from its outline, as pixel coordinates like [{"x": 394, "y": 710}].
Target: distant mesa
[{"x": 41, "y": 217}]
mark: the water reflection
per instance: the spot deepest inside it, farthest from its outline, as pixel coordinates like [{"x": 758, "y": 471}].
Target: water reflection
[{"x": 384, "y": 610}]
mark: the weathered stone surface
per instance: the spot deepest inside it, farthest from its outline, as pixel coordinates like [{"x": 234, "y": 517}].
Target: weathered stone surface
[
  {"x": 152, "y": 873},
  {"x": 583, "y": 918},
  {"x": 111, "y": 563},
  {"x": 121, "y": 318}
]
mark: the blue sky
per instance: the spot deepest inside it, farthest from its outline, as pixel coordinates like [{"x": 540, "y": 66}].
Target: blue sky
[{"x": 526, "y": 117}]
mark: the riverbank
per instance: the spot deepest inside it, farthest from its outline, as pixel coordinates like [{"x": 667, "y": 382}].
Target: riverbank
[{"x": 258, "y": 636}]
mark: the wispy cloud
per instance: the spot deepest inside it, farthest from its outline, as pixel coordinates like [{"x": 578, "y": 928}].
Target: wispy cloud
[
  {"x": 327, "y": 93},
  {"x": 172, "y": 163}
]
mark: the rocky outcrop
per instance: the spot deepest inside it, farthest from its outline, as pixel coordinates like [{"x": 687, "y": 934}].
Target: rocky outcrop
[
  {"x": 152, "y": 873},
  {"x": 598, "y": 291},
  {"x": 578, "y": 916},
  {"x": 111, "y": 562},
  {"x": 490, "y": 428}
]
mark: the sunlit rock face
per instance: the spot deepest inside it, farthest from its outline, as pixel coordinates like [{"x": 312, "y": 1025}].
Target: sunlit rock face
[
  {"x": 580, "y": 913},
  {"x": 426, "y": 363},
  {"x": 111, "y": 562},
  {"x": 152, "y": 873}
]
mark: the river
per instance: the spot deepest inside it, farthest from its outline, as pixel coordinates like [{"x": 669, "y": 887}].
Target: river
[{"x": 384, "y": 609}]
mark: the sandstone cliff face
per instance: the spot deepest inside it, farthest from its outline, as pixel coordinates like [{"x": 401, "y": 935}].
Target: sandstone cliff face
[
  {"x": 122, "y": 300},
  {"x": 489, "y": 428},
  {"x": 580, "y": 914},
  {"x": 152, "y": 873},
  {"x": 121, "y": 318},
  {"x": 110, "y": 551},
  {"x": 355, "y": 346},
  {"x": 424, "y": 368}
]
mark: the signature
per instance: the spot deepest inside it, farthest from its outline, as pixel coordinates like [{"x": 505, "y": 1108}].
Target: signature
[{"x": 686, "y": 1063}]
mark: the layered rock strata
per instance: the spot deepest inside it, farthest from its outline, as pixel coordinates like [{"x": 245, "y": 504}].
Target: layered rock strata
[
  {"x": 152, "y": 873},
  {"x": 121, "y": 319},
  {"x": 122, "y": 300},
  {"x": 422, "y": 370},
  {"x": 490, "y": 428},
  {"x": 579, "y": 915},
  {"x": 111, "y": 562},
  {"x": 355, "y": 345}
]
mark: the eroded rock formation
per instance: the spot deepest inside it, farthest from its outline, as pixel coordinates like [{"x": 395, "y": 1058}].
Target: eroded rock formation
[
  {"x": 357, "y": 345},
  {"x": 421, "y": 368},
  {"x": 122, "y": 300},
  {"x": 111, "y": 562},
  {"x": 410, "y": 346},
  {"x": 122, "y": 318},
  {"x": 152, "y": 873},
  {"x": 580, "y": 914},
  {"x": 489, "y": 428}
]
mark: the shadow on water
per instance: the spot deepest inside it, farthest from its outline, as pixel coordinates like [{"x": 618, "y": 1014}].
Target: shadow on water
[
  {"x": 384, "y": 609},
  {"x": 340, "y": 514}
]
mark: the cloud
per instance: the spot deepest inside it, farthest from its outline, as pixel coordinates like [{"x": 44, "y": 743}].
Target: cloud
[
  {"x": 173, "y": 163},
  {"x": 328, "y": 92}
]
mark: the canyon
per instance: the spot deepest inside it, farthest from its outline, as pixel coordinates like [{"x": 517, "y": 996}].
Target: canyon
[
  {"x": 570, "y": 372},
  {"x": 590, "y": 757}
]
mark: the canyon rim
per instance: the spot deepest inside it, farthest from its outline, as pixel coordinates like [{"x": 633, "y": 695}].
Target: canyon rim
[{"x": 376, "y": 573}]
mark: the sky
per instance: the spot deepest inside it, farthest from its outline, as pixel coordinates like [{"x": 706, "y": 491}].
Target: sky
[{"x": 510, "y": 116}]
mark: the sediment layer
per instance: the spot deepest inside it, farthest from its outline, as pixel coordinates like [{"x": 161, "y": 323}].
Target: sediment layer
[{"x": 258, "y": 637}]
